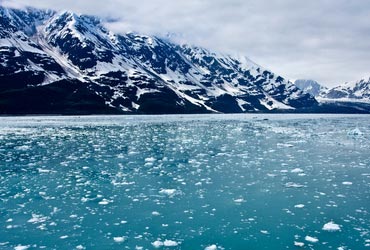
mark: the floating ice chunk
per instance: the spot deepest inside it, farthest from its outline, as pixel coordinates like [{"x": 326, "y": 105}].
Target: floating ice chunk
[
  {"x": 150, "y": 159},
  {"x": 240, "y": 200},
  {"x": 37, "y": 219},
  {"x": 20, "y": 247},
  {"x": 169, "y": 192},
  {"x": 139, "y": 248},
  {"x": 264, "y": 232},
  {"x": 63, "y": 237},
  {"x": 157, "y": 244},
  {"x": 348, "y": 183},
  {"x": 341, "y": 248},
  {"x": 331, "y": 227},
  {"x": 42, "y": 170},
  {"x": 286, "y": 145},
  {"x": 104, "y": 202},
  {"x": 23, "y": 148},
  {"x": 119, "y": 239},
  {"x": 355, "y": 132},
  {"x": 80, "y": 247},
  {"x": 211, "y": 247},
  {"x": 170, "y": 243},
  {"x": 297, "y": 170},
  {"x": 311, "y": 239},
  {"x": 293, "y": 185},
  {"x": 299, "y": 206},
  {"x": 367, "y": 243},
  {"x": 298, "y": 244},
  {"x": 155, "y": 213}
]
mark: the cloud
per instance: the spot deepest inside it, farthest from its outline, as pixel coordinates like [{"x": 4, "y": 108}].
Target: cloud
[{"x": 325, "y": 40}]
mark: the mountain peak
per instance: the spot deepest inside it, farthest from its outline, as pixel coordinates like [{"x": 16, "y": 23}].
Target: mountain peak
[{"x": 309, "y": 86}]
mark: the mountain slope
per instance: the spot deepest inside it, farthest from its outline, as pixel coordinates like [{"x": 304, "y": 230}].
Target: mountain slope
[
  {"x": 128, "y": 73},
  {"x": 310, "y": 86},
  {"x": 357, "y": 92}
]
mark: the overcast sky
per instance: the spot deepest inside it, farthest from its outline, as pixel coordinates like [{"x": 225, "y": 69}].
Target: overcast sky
[{"x": 324, "y": 40}]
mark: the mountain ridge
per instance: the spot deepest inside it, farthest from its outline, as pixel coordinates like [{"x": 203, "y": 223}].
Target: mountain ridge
[
  {"x": 358, "y": 91},
  {"x": 127, "y": 73}
]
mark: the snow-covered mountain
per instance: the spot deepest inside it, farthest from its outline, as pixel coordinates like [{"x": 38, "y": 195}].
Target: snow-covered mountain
[
  {"x": 349, "y": 92},
  {"x": 70, "y": 63},
  {"x": 310, "y": 86}
]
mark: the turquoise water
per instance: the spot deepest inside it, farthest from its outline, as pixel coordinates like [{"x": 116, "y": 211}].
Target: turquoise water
[{"x": 185, "y": 182}]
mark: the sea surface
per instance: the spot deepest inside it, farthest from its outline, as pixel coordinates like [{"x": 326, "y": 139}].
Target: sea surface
[{"x": 207, "y": 182}]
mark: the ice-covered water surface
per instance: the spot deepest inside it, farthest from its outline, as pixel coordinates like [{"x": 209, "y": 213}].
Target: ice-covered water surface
[{"x": 185, "y": 182}]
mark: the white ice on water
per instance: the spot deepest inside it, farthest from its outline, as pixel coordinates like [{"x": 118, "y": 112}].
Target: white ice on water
[
  {"x": 20, "y": 247},
  {"x": 211, "y": 247},
  {"x": 170, "y": 243},
  {"x": 119, "y": 239},
  {"x": 331, "y": 227},
  {"x": 355, "y": 132},
  {"x": 298, "y": 244},
  {"x": 166, "y": 243},
  {"x": 157, "y": 244},
  {"x": 169, "y": 192},
  {"x": 311, "y": 239},
  {"x": 238, "y": 201}
]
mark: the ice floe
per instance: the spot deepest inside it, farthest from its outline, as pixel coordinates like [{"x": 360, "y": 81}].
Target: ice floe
[
  {"x": 298, "y": 244},
  {"x": 119, "y": 239},
  {"x": 37, "y": 219},
  {"x": 331, "y": 227},
  {"x": 238, "y": 201},
  {"x": 166, "y": 243},
  {"x": 311, "y": 239},
  {"x": 170, "y": 243},
  {"x": 355, "y": 132},
  {"x": 297, "y": 170},
  {"x": 168, "y": 192},
  {"x": 293, "y": 185},
  {"x": 157, "y": 244},
  {"x": 104, "y": 202},
  {"x": 211, "y": 247},
  {"x": 20, "y": 247}
]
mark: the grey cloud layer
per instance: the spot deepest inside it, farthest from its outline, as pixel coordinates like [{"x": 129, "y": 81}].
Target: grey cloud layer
[{"x": 325, "y": 40}]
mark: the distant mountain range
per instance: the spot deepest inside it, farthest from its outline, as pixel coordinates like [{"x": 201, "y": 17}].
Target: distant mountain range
[
  {"x": 66, "y": 63},
  {"x": 355, "y": 95},
  {"x": 356, "y": 92}
]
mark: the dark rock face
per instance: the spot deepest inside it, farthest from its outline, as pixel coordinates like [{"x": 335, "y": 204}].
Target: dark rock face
[{"x": 68, "y": 63}]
